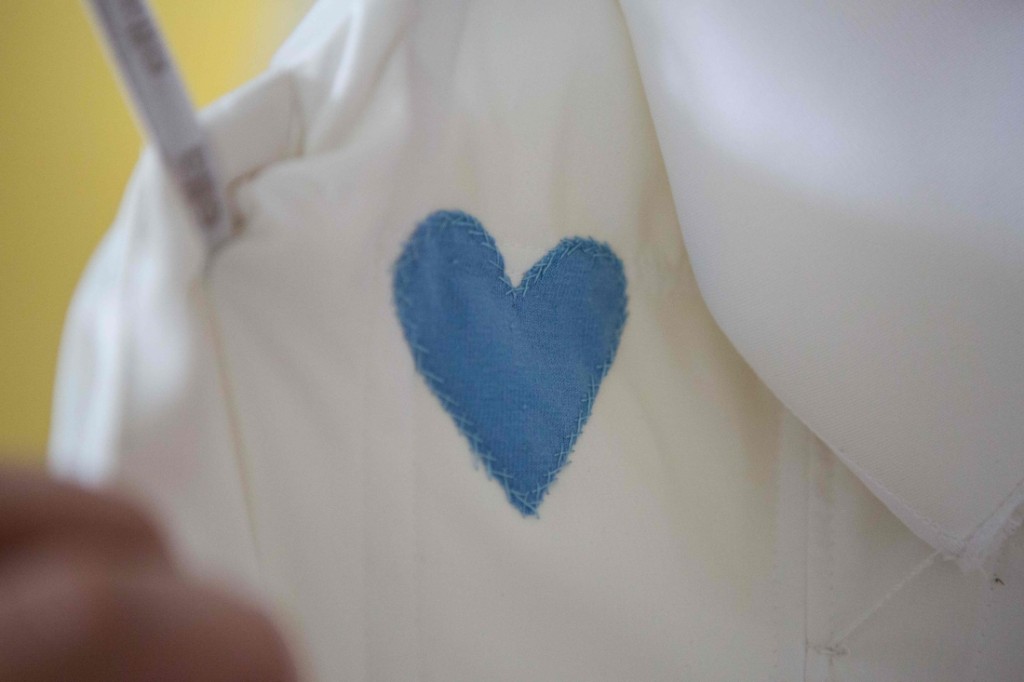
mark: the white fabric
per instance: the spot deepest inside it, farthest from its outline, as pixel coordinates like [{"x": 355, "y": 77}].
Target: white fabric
[
  {"x": 267, "y": 404},
  {"x": 850, "y": 176}
]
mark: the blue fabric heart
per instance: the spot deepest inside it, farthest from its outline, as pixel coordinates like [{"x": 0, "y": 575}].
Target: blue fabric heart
[{"x": 517, "y": 368}]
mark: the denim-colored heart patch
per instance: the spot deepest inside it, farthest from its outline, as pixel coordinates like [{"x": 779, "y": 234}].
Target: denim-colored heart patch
[{"x": 517, "y": 368}]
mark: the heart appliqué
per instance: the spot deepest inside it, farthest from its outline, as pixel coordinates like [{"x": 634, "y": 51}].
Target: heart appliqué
[{"x": 517, "y": 368}]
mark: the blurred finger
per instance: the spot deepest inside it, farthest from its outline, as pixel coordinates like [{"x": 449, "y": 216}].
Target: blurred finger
[
  {"x": 76, "y": 619},
  {"x": 35, "y": 508}
]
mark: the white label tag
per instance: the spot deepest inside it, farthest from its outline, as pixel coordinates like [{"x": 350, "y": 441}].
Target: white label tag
[{"x": 154, "y": 85}]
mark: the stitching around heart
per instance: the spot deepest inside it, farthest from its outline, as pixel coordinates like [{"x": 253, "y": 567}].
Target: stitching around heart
[{"x": 529, "y": 501}]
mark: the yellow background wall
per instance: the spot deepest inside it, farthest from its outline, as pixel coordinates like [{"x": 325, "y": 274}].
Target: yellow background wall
[{"x": 67, "y": 146}]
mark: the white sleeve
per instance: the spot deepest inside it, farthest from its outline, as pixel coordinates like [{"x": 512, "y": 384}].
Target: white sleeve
[{"x": 849, "y": 178}]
